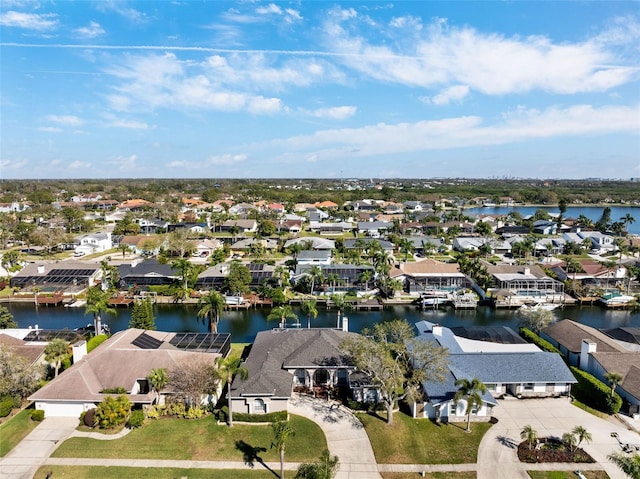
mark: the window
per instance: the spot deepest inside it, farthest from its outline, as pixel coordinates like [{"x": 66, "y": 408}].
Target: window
[
  {"x": 527, "y": 386},
  {"x": 491, "y": 387},
  {"x": 259, "y": 407},
  {"x": 452, "y": 408}
]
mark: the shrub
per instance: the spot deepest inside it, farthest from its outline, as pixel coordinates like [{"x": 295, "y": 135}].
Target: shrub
[
  {"x": 153, "y": 412},
  {"x": 37, "y": 415},
  {"x": 116, "y": 390},
  {"x": 532, "y": 337},
  {"x": 194, "y": 413},
  {"x": 89, "y": 417},
  {"x": 269, "y": 417},
  {"x": 113, "y": 411},
  {"x": 594, "y": 393},
  {"x": 6, "y": 405},
  {"x": 136, "y": 419},
  {"x": 96, "y": 341}
]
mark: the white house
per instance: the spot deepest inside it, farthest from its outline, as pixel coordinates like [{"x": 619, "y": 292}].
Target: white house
[{"x": 94, "y": 243}]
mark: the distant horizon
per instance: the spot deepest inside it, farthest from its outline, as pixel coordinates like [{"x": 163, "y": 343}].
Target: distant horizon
[{"x": 317, "y": 90}]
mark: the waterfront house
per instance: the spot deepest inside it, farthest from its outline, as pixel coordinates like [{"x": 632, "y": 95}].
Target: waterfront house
[
  {"x": 146, "y": 273},
  {"x": 347, "y": 277},
  {"x": 515, "y": 285},
  {"x": 284, "y": 360},
  {"x": 505, "y": 364},
  {"x": 69, "y": 277},
  {"x": 429, "y": 275},
  {"x": 125, "y": 360},
  {"x": 314, "y": 257}
]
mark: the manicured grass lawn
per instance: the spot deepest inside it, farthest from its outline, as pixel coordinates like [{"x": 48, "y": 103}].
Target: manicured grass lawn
[
  {"x": 13, "y": 430},
  {"x": 103, "y": 472},
  {"x": 202, "y": 440},
  {"x": 429, "y": 475},
  {"x": 566, "y": 474},
  {"x": 420, "y": 441},
  {"x": 589, "y": 409}
]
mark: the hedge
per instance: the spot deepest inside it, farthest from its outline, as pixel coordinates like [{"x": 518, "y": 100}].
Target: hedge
[
  {"x": 594, "y": 393},
  {"x": 96, "y": 341},
  {"x": 6, "y": 406},
  {"x": 532, "y": 337},
  {"x": 37, "y": 415},
  {"x": 277, "y": 416}
]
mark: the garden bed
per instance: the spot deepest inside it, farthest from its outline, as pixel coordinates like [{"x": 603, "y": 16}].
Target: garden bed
[{"x": 550, "y": 449}]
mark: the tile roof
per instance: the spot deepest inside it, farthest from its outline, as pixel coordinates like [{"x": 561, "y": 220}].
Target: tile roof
[{"x": 430, "y": 266}]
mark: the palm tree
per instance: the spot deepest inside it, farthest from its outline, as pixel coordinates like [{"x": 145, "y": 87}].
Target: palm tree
[
  {"x": 628, "y": 463},
  {"x": 569, "y": 440},
  {"x": 581, "y": 434},
  {"x": 55, "y": 352},
  {"x": 282, "y": 313},
  {"x": 230, "y": 367},
  {"x": 529, "y": 434},
  {"x": 472, "y": 392},
  {"x": 98, "y": 303},
  {"x": 211, "y": 307},
  {"x": 405, "y": 246},
  {"x": 316, "y": 275},
  {"x": 282, "y": 275},
  {"x": 158, "y": 378},
  {"x": 614, "y": 379},
  {"x": 184, "y": 267},
  {"x": 627, "y": 220},
  {"x": 366, "y": 276},
  {"x": 282, "y": 431},
  {"x": 340, "y": 303},
  {"x": 309, "y": 308}
]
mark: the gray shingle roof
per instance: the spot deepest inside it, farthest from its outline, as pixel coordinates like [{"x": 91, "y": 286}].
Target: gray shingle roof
[{"x": 274, "y": 350}]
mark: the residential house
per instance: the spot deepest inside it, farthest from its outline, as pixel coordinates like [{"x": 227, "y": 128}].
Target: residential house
[
  {"x": 506, "y": 367},
  {"x": 594, "y": 274},
  {"x": 413, "y": 206},
  {"x": 206, "y": 247},
  {"x": 598, "y": 354},
  {"x": 347, "y": 276},
  {"x": 67, "y": 276},
  {"x": 94, "y": 243},
  {"x": 600, "y": 242},
  {"x": 125, "y": 360},
  {"x": 293, "y": 227},
  {"x": 14, "y": 207},
  {"x": 353, "y": 243},
  {"x": 330, "y": 205},
  {"x": 545, "y": 227},
  {"x": 189, "y": 228},
  {"x": 476, "y": 243},
  {"x": 314, "y": 257},
  {"x": 374, "y": 228},
  {"x": 152, "y": 226},
  {"x": 515, "y": 285},
  {"x": 312, "y": 242},
  {"x": 247, "y": 243},
  {"x": 429, "y": 274},
  {"x": 135, "y": 205},
  {"x": 146, "y": 273},
  {"x": 143, "y": 245},
  {"x": 242, "y": 209},
  {"x": 240, "y": 226},
  {"x": 326, "y": 228},
  {"x": 283, "y": 360}
]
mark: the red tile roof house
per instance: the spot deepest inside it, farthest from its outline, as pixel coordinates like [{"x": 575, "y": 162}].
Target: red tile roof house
[{"x": 124, "y": 360}]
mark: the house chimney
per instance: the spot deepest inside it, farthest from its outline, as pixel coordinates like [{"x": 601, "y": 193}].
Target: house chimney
[
  {"x": 345, "y": 324},
  {"x": 587, "y": 347},
  {"x": 40, "y": 269},
  {"x": 436, "y": 330},
  {"x": 527, "y": 271},
  {"x": 79, "y": 351}
]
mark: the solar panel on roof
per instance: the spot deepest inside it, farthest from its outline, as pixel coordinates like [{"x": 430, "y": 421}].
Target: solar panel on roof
[
  {"x": 144, "y": 341},
  {"x": 205, "y": 342}
]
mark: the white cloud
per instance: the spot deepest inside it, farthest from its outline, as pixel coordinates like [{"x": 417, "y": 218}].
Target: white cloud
[
  {"x": 227, "y": 159},
  {"x": 51, "y": 129},
  {"x": 181, "y": 164},
  {"x": 121, "y": 8},
  {"x": 124, "y": 163},
  {"x": 408, "y": 22},
  {"x": 78, "y": 165},
  {"x": 272, "y": 8},
  {"x": 13, "y": 164},
  {"x": 455, "y": 93},
  {"x": 29, "y": 21},
  {"x": 116, "y": 122},
  {"x": 494, "y": 64},
  {"x": 66, "y": 120},
  {"x": 335, "y": 113},
  {"x": 92, "y": 30},
  {"x": 460, "y": 132}
]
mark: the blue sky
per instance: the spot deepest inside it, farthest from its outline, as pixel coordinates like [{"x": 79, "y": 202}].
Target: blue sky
[{"x": 180, "y": 89}]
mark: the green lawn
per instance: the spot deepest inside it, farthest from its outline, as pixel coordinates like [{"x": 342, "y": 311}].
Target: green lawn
[
  {"x": 420, "y": 441},
  {"x": 13, "y": 430},
  {"x": 104, "y": 472},
  {"x": 566, "y": 474},
  {"x": 202, "y": 440}
]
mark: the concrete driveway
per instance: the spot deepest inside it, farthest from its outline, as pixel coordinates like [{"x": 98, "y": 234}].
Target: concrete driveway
[
  {"x": 497, "y": 458},
  {"x": 23, "y": 461}
]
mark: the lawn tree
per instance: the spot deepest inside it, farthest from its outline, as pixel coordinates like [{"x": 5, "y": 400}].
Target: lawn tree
[
  {"x": 628, "y": 463},
  {"x": 529, "y": 434},
  {"x": 282, "y": 432},
  {"x": 282, "y": 313},
  {"x": 18, "y": 378},
  {"x": 239, "y": 278},
  {"x": 310, "y": 309},
  {"x": 569, "y": 439},
  {"x": 613, "y": 378},
  {"x": 228, "y": 368},
  {"x": 113, "y": 411},
  {"x": 535, "y": 319},
  {"x": 325, "y": 468},
  {"x": 55, "y": 352},
  {"x": 193, "y": 379},
  {"x": 211, "y": 307},
  {"x": 471, "y": 391},
  {"x": 97, "y": 304},
  {"x": 581, "y": 434},
  {"x": 338, "y": 301},
  {"x": 317, "y": 276},
  {"x": 397, "y": 362},
  {"x": 158, "y": 378},
  {"x": 184, "y": 267},
  {"x": 406, "y": 246},
  {"x": 6, "y": 319},
  {"x": 142, "y": 315}
]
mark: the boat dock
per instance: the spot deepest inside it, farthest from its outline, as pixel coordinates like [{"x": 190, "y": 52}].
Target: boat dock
[{"x": 121, "y": 301}]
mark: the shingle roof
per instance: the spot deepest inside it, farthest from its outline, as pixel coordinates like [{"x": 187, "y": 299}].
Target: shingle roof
[
  {"x": 626, "y": 364},
  {"x": 570, "y": 334},
  {"x": 430, "y": 266},
  {"x": 276, "y": 349}
]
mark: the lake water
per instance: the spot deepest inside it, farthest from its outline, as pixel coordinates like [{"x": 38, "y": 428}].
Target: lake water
[
  {"x": 594, "y": 213},
  {"x": 243, "y": 325}
]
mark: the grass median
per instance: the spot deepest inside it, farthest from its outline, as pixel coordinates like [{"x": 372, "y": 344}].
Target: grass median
[
  {"x": 421, "y": 441},
  {"x": 15, "y": 429},
  {"x": 200, "y": 440},
  {"x": 104, "y": 472}
]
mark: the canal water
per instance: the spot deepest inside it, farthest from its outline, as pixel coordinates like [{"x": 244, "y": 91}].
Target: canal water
[
  {"x": 594, "y": 213},
  {"x": 243, "y": 325}
]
